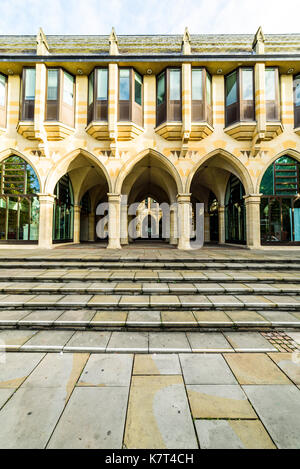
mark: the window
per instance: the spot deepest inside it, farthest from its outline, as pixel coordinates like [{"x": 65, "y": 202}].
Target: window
[
  {"x": 98, "y": 95},
  {"x": 201, "y": 96},
  {"x": 60, "y": 96},
  {"x": 28, "y": 93},
  {"x": 272, "y": 94},
  {"x": 168, "y": 98},
  {"x": 3, "y": 93},
  {"x": 130, "y": 96},
  {"x": 239, "y": 96},
  {"x": 297, "y": 101},
  {"x": 19, "y": 202},
  {"x": 63, "y": 215},
  {"x": 280, "y": 207}
]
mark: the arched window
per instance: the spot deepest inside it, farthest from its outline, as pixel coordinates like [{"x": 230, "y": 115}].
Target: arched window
[
  {"x": 63, "y": 219},
  {"x": 235, "y": 214},
  {"x": 280, "y": 202},
  {"x": 19, "y": 202}
]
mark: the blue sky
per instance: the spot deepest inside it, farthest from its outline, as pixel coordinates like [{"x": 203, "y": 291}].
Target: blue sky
[{"x": 148, "y": 16}]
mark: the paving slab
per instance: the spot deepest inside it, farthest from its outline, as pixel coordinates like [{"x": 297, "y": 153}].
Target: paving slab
[
  {"x": 278, "y": 407},
  {"x": 47, "y": 341},
  {"x": 43, "y": 318},
  {"x": 232, "y": 434},
  {"x": 101, "y": 287},
  {"x": 247, "y": 318},
  {"x": 168, "y": 342},
  {"x": 195, "y": 300},
  {"x": 284, "y": 300},
  {"x": 109, "y": 318},
  {"x": 67, "y": 287},
  {"x": 169, "y": 275},
  {"x": 5, "y": 394},
  {"x": 128, "y": 342},
  {"x": 157, "y": 364},
  {"x": 295, "y": 336},
  {"x": 262, "y": 287},
  {"x": 211, "y": 288},
  {"x": 281, "y": 318},
  {"x": 155, "y": 287},
  {"x": 225, "y": 301},
  {"x": 158, "y": 414},
  {"x": 164, "y": 300},
  {"x": 255, "y": 301},
  {"x": 255, "y": 368},
  {"x": 13, "y": 339},
  {"x": 205, "y": 369},
  {"x": 182, "y": 287},
  {"x": 74, "y": 300},
  {"x": 15, "y": 368},
  {"x": 74, "y": 317},
  {"x": 249, "y": 342},
  {"x": 145, "y": 318},
  {"x": 93, "y": 419},
  {"x": 178, "y": 318},
  {"x": 208, "y": 342},
  {"x": 104, "y": 300},
  {"x": 289, "y": 363},
  {"x": 11, "y": 317},
  {"x": 43, "y": 300},
  {"x": 88, "y": 341},
  {"x": 235, "y": 287},
  {"x": 219, "y": 401},
  {"x": 29, "y": 417},
  {"x": 107, "y": 370},
  {"x": 134, "y": 300},
  {"x": 209, "y": 318},
  {"x": 14, "y": 300}
]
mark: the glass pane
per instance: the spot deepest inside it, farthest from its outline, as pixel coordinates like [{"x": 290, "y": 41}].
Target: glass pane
[
  {"x": 91, "y": 88},
  {"x": 12, "y": 232},
  {"x": 208, "y": 89},
  {"x": 174, "y": 85},
  {"x": 2, "y": 218},
  {"x": 267, "y": 183},
  {"x": 297, "y": 90},
  {"x": 124, "y": 85},
  {"x": 2, "y": 90},
  {"x": 68, "y": 94},
  {"x": 34, "y": 222},
  {"x": 24, "y": 227},
  {"x": 197, "y": 84},
  {"x": 138, "y": 88},
  {"x": 275, "y": 221},
  {"x": 231, "y": 89},
  {"x": 161, "y": 89},
  {"x": 287, "y": 228},
  {"x": 102, "y": 85},
  {"x": 52, "y": 85},
  {"x": 296, "y": 211},
  {"x": 270, "y": 84},
  {"x": 247, "y": 85},
  {"x": 29, "y": 83}
]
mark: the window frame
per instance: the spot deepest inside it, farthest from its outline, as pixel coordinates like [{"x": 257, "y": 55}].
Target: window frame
[
  {"x": 60, "y": 105},
  {"x": 97, "y": 107},
  {"x": 242, "y": 106},
  {"x": 130, "y": 110},
  {"x": 27, "y": 105},
  {"x": 296, "y": 107},
  {"x": 3, "y": 109},
  {"x": 168, "y": 107},
  {"x": 276, "y": 101},
  {"x": 206, "y": 108}
]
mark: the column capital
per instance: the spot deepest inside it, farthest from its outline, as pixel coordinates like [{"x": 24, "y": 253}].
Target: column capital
[
  {"x": 183, "y": 198},
  {"x": 114, "y": 198},
  {"x": 77, "y": 208},
  {"x": 46, "y": 198},
  {"x": 252, "y": 198}
]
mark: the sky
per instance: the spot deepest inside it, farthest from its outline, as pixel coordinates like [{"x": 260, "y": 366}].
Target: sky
[{"x": 149, "y": 16}]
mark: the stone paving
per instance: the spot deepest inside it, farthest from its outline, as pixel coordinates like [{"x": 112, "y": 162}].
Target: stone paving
[{"x": 150, "y": 400}]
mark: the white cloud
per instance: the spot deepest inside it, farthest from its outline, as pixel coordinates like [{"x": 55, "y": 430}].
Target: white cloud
[{"x": 148, "y": 16}]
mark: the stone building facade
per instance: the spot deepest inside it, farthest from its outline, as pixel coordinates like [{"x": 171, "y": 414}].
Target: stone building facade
[{"x": 213, "y": 119}]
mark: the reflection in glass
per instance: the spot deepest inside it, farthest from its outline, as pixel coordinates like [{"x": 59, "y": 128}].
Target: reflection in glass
[
  {"x": 231, "y": 89},
  {"x": 174, "y": 85}
]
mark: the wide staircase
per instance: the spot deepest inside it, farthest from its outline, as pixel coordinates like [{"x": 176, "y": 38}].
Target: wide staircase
[{"x": 149, "y": 294}]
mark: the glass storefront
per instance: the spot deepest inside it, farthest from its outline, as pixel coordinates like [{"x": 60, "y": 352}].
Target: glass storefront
[
  {"x": 19, "y": 202},
  {"x": 280, "y": 202},
  {"x": 63, "y": 216},
  {"x": 235, "y": 213}
]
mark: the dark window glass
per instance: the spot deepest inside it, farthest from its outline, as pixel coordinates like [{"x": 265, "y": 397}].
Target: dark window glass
[
  {"x": 63, "y": 216},
  {"x": 52, "y": 88},
  {"x": 29, "y": 83},
  {"x": 102, "y": 82},
  {"x": 124, "y": 89},
  {"x": 175, "y": 88},
  {"x": 161, "y": 88},
  {"x": 235, "y": 213},
  {"x": 247, "y": 84},
  {"x": 3, "y": 85},
  {"x": 297, "y": 101},
  {"x": 272, "y": 94},
  {"x": 197, "y": 93},
  {"x": 231, "y": 89},
  {"x": 28, "y": 94},
  {"x": 138, "y": 88}
]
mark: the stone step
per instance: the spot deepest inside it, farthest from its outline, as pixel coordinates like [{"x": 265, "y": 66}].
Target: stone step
[
  {"x": 148, "y": 319},
  {"x": 157, "y": 288},
  {"x": 151, "y": 302}
]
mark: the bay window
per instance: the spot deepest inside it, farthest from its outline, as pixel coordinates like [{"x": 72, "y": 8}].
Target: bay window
[
  {"x": 272, "y": 94},
  {"x": 3, "y": 99},
  {"x": 28, "y": 94},
  {"x": 201, "y": 96},
  {"x": 297, "y": 101},
  {"x": 60, "y": 96},
  {"x": 239, "y": 96},
  {"x": 98, "y": 95},
  {"x": 168, "y": 101},
  {"x": 130, "y": 96}
]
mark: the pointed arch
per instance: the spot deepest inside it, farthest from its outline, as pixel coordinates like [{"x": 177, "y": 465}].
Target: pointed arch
[
  {"x": 289, "y": 152},
  {"x": 129, "y": 165},
  {"x": 4, "y": 154},
  {"x": 239, "y": 169},
  {"x": 62, "y": 166}
]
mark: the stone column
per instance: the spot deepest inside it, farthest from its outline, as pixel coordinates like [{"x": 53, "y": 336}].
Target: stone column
[
  {"x": 287, "y": 100},
  {"x": 92, "y": 217},
  {"x": 77, "y": 210},
  {"x": 113, "y": 80},
  {"x": 218, "y": 106},
  {"x": 40, "y": 100},
  {"x": 46, "y": 220},
  {"x": 124, "y": 223},
  {"x": 260, "y": 102},
  {"x": 252, "y": 202},
  {"x": 184, "y": 220},
  {"x": 114, "y": 221},
  {"x": 81, "y": 85},
  {"x": 173, "y": 227},
  {"x": 206, "y": 227},
  {"x": 221, "y": 214},
  {"x": 13, "y": 103},
  {"x": 186, "y": 99}
]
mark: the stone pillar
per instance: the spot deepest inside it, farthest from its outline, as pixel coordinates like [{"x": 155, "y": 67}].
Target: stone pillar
[
  {"x": 173, "y": 227},
  {"x": 221, "y": 214},
  {"x": 81, "y": 85},
  {"x": 113, "y": 80},
  {"x": 77, "y": 210},
  {"x": 252, "y": 202},
  {"x": 40, "y": 100},
  {"x": 13, "y": 103},
  {"x": 184, "y": 220},
  {"x": 114, "y": 221},
  {"x": 287, "y": 100},
  {"x": 186, "y": 98},
  {"x": 46, "y": 220},
  {"x": 260, "y": 101},
  {"x": 92, "y": 227},
  {"x": 124, "y": 223},
  {"x": 149, "y": 101},
  {"x": 218, "y": 106},
  {"x": 206, "y": 227}
]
